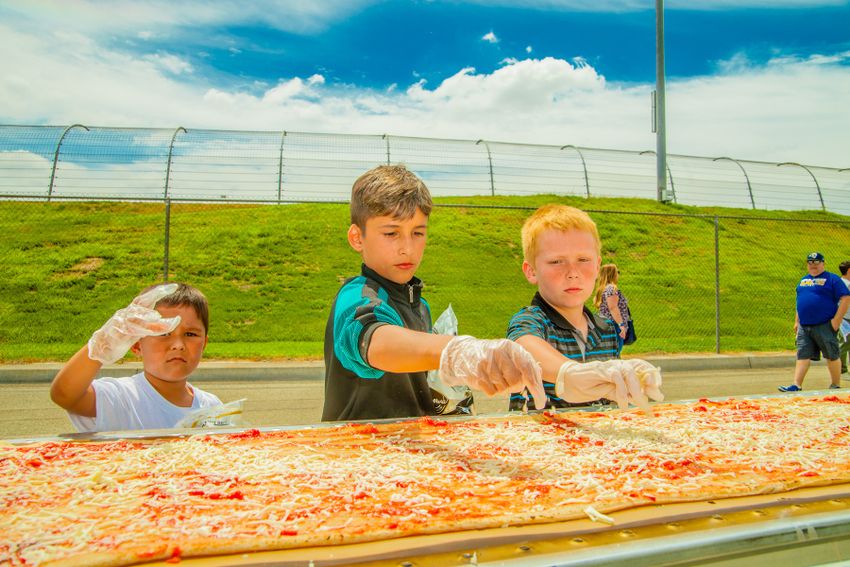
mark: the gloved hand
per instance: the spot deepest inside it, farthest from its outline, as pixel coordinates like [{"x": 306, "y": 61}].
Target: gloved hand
[
  {"x": 128, "y": 325},
  {"x": 626, "y": 381},
  {"x": 491, "y": 366}
]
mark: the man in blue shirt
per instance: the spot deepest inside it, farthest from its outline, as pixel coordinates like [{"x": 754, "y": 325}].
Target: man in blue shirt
[{"x": 822, "y": 301}]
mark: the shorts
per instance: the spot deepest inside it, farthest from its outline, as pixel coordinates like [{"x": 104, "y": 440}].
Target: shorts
[{"x": 812, "y": 340}]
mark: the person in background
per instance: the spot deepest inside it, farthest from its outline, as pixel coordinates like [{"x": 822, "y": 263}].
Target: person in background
[
  {"x": 612, "y": 304},
  {"x": 822, "y": 301},
  {"x": 844, "y": 329},
  {"x": 577, "y": 349},
  {"x": 378, "y": 341},
  {"x": 166, "y": 326}
]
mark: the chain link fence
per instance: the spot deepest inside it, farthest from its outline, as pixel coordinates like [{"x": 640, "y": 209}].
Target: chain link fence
[
  {"x": 78, "y": 161},
  {"x": 695, "y": 283}
]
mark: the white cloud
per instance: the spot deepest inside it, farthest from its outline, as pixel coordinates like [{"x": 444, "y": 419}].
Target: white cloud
[
  {"x": 490, "y": 37},
  {"x": 791, "y": 109},
  {"x": 528, "y": 49},
  {"x": 128, "y": 16},
  {"x": 170, "y": 63}
]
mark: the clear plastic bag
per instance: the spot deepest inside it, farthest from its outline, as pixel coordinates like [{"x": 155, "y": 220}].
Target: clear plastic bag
[
  {"x": 225, "y": 415},
  {"x": 449, "y": 400}
]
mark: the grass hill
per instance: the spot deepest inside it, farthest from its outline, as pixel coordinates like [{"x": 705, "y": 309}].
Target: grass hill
[{"x": 271, "y": 272}]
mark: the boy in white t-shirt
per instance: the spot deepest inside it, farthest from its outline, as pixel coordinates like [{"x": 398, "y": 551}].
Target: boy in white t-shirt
[{"x": 167, "y": 327}]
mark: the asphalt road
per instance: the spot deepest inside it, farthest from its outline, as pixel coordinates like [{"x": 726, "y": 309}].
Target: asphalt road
[{"x": 29, "y": 412}]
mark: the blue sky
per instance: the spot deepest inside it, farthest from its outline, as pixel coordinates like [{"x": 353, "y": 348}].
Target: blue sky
[{"x": 751, "y": 79}]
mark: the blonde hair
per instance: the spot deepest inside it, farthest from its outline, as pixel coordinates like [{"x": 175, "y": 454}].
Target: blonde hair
[
  {"x": 556, "y": 217},
  {"x": 388, "y": 190},
  {"x": 607, "y": 274}
]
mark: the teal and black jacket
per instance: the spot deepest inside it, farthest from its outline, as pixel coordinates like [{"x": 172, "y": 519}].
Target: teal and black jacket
[{"x": 353, "y": 388}]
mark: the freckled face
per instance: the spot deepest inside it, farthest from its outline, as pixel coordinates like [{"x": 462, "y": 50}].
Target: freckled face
[
  {"x": 565, "y": 269},
  {"x": 392, "y": 247}
]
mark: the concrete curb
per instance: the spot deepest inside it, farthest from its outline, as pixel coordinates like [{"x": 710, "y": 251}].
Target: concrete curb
[{"x": 239, "y": 371}]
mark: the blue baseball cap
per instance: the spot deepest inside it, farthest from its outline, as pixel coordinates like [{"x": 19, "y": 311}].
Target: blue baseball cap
[{"x": 814, "y": 257}]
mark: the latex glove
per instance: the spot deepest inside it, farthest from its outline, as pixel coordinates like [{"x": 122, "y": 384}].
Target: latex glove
[
  {"x": 491, "y": 366},
  {"x": 626, "y": 381},
  {"x": 128, "y": 325}
]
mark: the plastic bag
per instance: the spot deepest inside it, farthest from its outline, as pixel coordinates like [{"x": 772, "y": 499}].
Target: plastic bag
[
  {"x": 225, "y": 415},
  {"x": 449, "y": 400}
]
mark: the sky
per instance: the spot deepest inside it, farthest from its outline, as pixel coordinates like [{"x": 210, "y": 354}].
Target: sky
[{"x": 765, "y": 80}]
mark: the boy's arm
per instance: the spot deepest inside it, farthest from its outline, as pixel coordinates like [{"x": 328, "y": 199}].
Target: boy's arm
[
  {"x": 397, "y": 349},
  {"x": 72, "y": 387},
  {"x": 548, "y": 356},
  {"x": 626, "y": 381},
  {"x": 491, "y": 366}
]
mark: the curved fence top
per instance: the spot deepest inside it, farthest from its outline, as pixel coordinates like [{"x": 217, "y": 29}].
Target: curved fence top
[{"x": 86, "y": 162}]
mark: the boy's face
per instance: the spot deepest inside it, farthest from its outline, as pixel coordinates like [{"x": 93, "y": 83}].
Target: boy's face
[
  {"x": 392, "y": 247},
  {"x": 175, "y": 355},
  {"x": 565, "y": 268}
]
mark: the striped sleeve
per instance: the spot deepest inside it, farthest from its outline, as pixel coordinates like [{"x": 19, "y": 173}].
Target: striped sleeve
[
  {"x": 527, "y": 321},
  {"x": 359, "y": 310}
]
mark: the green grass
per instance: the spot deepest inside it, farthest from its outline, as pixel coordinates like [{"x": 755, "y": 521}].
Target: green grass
[{"x": 271, "y": 272}]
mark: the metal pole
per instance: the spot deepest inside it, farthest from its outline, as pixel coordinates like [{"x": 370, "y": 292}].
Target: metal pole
[
  {"x": 56, "y": 158},
  {"x": 490, "y": 161},
  {"x": 817, "y": 185},
  {"x": 670, "y": 173},
  {"x": 167, "y": 238},
  {"x": 387, "y": 138},
  {"x": 280, "y": 168},
  {"x": 168, "y": 164},
  {"x": 660, "y": 125},
  {"x": 717, "y": 284},
  {"x": 583, "y": 165},
  {"x": 747, "y": 177}
]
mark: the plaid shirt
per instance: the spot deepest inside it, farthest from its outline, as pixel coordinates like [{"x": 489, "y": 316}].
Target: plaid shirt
[{"x": 542, "y": 320}]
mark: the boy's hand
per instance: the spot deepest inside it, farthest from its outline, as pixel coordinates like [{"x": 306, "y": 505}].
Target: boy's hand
[
  {"x": 128, "y": 325},
  {"x": 626, "y": 381},
  {"x": 491, "y": 366}
]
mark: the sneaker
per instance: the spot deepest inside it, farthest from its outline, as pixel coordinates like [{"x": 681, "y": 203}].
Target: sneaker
[
  {"x": 845, "y": 376},
  {"x": 834, "y": 387},
  {"x": 791, "y": 388}
]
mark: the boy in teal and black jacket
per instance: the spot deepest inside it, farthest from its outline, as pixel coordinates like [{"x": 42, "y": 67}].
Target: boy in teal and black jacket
[{"x": 378, "y": 341}]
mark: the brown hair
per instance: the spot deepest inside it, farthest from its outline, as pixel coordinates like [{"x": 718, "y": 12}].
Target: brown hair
[
  {"x": 188, "y": 296},
  {"x": 607, "y": 274},
  {"x": 557, "y": 217},
  {"x": 388, "y": 190}
]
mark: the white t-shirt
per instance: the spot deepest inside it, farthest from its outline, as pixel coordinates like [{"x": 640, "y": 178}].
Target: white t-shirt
[{"x": 132, "y": 403}]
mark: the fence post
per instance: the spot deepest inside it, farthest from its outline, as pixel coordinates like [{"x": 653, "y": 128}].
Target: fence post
[
  {"x": 387, "y": 138},
  {"x": 490, "y": 161},
  {"x": 280, "y": 169},
  {"x": 820, "y": 195},
  {"x": 167, "y": 238},
  {"x": 56, "y": 158},
  {"x": 669, "y": 172},
  {"x": 583, "y": 165},
  {"x": 747, "y": 177},
  {"x": 168, "y": 164},
  {"x": 717, "y": 284}
]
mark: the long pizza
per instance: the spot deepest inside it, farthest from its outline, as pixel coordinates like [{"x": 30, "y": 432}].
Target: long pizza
[{"x": 130, "y": 501}]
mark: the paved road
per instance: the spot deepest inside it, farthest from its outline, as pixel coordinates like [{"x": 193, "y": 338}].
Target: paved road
[{"x": 28, "y": 410}]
